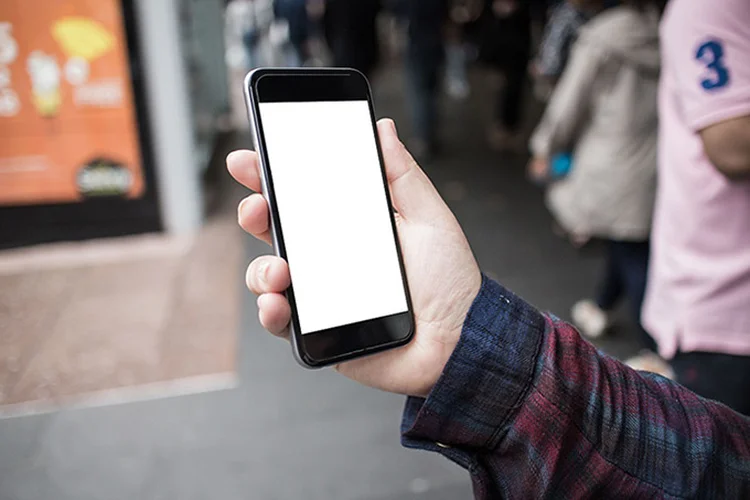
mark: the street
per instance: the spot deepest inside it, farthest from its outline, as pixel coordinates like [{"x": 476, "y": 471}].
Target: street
[{"x": 287, "y": 433}]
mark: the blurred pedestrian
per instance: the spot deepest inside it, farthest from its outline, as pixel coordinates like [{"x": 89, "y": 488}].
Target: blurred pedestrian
[
  {"x": 506, "y": 47},
  {"x": 294, "y": 12},
  {"x": 251, "y": 19},
  {"x": 566, "y": 19},
  {"x": 603, "y": 112},
  {"x": 698, "y": 299},
  {"x": 425, "y": 57},
  {"x": 350, "y": 28},
  {"x": 462, "y": 14}
]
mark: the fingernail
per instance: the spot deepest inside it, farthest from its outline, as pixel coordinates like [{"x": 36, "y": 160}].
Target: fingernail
[
  {"x": 228, "y": 160},
  {"x": 393, "y": 127},
  {"x": 230, "y": 156},
  {"x": 239, "y": 208},
  {"x": 263, "y": 271}
]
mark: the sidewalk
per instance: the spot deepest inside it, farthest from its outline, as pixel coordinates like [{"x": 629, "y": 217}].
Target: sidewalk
[
  {"x": 96, "y": 322},
  {"x": 285, "y": 433}
]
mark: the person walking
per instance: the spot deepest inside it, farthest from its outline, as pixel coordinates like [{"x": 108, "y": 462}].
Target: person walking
[
  {"x": 506, "y": 47},
  {"x": 350, "y": 29},
  {"x": 425, "y": 58},
  {"x": 603, "y": 112},
  {"x": 294, "y": 12}
]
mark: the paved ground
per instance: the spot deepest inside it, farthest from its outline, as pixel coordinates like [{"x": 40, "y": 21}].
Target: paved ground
[
  {"x": 80, "y": 321},
  {"x": 286, "y": 433}
]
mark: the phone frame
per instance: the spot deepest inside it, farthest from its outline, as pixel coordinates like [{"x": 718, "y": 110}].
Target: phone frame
[{"x": 338, "y": 344}]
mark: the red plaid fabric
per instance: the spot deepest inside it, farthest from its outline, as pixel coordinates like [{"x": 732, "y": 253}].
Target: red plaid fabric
[{"x": 532, "y": 410}]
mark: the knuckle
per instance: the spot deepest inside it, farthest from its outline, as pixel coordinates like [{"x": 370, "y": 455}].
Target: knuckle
[{"x": 250, "y": 278}]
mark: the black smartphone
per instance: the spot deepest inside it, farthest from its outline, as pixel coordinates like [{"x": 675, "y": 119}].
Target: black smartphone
[{"x": 331, "y": 216}]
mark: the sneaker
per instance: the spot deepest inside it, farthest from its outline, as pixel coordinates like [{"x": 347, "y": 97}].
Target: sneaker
[
  {"x": 458, "y": 89},
  {"x": 648, "y": 361},
  {"x": 591, "y": 320}
]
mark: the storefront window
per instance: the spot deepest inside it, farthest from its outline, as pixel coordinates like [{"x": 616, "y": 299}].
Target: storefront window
[{"x": 68, "y": 125}]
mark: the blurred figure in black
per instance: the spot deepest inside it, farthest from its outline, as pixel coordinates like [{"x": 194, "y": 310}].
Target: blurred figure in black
[
  {"x": 425, "y": 57},
  {"x": 351, "y": 33},
  {"x": 565, "y": 21},
  {"x": 506, "y": 46},
  {"x": 295, "y": 14},
  {"x": 463, "y": 15}
]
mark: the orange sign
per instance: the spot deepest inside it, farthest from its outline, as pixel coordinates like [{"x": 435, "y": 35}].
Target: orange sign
[{"x": 67, "y": 115}]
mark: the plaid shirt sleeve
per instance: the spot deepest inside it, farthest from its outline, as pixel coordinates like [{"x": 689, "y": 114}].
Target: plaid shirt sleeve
[{"x": 531, "y": 410}]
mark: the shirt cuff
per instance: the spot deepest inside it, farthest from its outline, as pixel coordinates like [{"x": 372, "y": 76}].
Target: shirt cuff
[
  {"x": 719, "y": 109},
  {"x": 485, "y": 381}
]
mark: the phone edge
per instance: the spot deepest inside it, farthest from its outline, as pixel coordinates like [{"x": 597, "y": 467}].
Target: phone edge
[
  {"x": 294, "y": 338},
  {"x": 253, "y": 119}
]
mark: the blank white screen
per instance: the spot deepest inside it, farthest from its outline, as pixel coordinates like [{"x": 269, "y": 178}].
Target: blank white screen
[{"x": 334, "y": 212}]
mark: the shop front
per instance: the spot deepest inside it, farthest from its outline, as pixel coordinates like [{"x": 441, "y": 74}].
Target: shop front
[{"x": 97, "y": 129}]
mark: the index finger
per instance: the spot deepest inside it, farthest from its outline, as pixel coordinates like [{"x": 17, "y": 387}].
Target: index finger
[{"x": 243, "y": 165}]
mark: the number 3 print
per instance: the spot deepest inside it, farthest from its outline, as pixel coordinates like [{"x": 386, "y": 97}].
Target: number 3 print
[{"x": 711, "y": 54}]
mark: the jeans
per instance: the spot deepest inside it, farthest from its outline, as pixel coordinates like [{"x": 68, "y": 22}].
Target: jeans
[
  {"x": 625, "y": 275},
  {"x": 424, "y": 68},
  {"x": 455, "y": 66},
  {"x": 509, "y": 105},
  {"x": 251, "y": 42},
  {"x": 721, "y": 377},
  {"x": 295, "y": 14}
]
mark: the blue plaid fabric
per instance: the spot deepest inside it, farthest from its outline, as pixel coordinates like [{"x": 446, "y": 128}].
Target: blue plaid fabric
[{"x": 532, "y": 410}]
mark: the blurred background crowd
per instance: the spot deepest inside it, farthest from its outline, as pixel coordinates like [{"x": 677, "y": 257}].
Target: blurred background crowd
[
  {"x": 593, "y": 68},
  {"x": 594, "y": 151}
]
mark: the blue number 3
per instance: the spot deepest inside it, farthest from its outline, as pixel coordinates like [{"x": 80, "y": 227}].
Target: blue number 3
[{"x": 711, "y": 54}]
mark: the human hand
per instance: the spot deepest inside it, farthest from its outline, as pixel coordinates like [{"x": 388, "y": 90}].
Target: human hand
[
  {"x": 538, "y": 169},
  {"x": 441, "y": 270}
]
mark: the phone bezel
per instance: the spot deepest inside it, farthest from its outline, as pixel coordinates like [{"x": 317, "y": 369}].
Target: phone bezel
[{"x": 334, "y": 345}]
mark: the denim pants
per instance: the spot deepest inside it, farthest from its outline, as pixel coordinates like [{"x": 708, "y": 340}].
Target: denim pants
[
  {"x": 424, "y": 69},
  {"x": 721, "y": 377},
  {"x": 510, "y": 100},
  {"x": 625, "y": 276}
]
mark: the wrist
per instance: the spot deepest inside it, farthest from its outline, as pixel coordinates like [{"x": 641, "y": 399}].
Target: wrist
[
  {"x": 487, "y": 378},
  {"x": 445, "y": 344}
]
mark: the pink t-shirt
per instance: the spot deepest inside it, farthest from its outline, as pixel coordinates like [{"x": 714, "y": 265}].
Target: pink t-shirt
[{"x": 698, "y": 296}]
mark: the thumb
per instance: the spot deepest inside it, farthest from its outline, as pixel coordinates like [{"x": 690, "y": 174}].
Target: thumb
[{"x": 414, "y": 196}]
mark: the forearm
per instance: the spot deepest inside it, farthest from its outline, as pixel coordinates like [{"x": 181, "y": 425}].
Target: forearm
[
  {"x": 734, "y": 163},
  {"x": 568, "y": 107},
  {"x": 727, "y": 145},
  {"x": 549, "y": 60},
  {"x": 640, "y": 431},
  {"x": 556, "y": 42},
  {"x": 530, "y": 408}
]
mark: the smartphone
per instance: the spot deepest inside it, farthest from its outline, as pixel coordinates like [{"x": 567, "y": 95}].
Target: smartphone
[{"x": 332, "y": 220}]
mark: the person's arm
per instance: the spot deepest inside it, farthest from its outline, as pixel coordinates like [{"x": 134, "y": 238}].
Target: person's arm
[
  {"x": 533, "y": 410},
  {"x": 727, "y": 145},
  {"x": 569, "y": 104},
  {"x": 708, "y": 48},
  {"x": 556, "y": 41}
]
